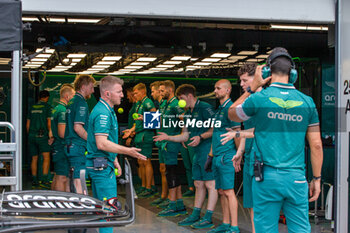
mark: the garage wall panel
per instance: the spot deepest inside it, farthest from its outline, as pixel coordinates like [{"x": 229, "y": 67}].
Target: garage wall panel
[{"x": 310, "y": 11}]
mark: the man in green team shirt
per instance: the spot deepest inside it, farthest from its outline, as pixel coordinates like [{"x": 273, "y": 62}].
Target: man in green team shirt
[
  {"x": 285, "y": 117},
  {"x": 171, "y": 113},
  {"x": 200, "y": 140},
  {"x": 40, "y": 136},
  {"x": 102, "y": 143},
  {"x": 246, "y": 75},
  {"x": 77, "y": 118},
  {"x": 58, "y": 126},
  {"x": 143, "y": 138},
  {"x": 220, "y": 160},
  {"x": 160, "y": 104},
  {"x": 131, "y": 121}
]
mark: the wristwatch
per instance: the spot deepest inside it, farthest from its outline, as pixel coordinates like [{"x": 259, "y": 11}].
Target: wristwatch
[
  {"x": 200, "y": 136},
  {"x": 238, "y": 134},
  {"x": 249, "y": 90},
  {"x": 316, "y": 177}
]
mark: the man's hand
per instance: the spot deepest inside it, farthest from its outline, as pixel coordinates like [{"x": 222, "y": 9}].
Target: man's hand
[
  {"x": 128, "y": 141},
  {"x": 227, "y": 136},
  {"x": 195, "y": 141},
  {"x": 314, "y": 189},
  {"x": 184, "y": 145},
  {"x": 51, "y": 140},
  {"x": 258, "y": 80},
  {"x": 50, "y": 134},
  {"x": 160, "y": 137},
  {"x": 134, "y": 152},
  {"x": 117, "y": 166},
  {"x": 208, "y": 164},
  {"x": 236, "y": 160},
  {"x": 126, "y": 133},
  {"x": 140, "y": 118}
]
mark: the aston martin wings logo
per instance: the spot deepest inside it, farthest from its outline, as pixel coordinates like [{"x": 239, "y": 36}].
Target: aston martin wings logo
[{"x": 285, "y": 104}]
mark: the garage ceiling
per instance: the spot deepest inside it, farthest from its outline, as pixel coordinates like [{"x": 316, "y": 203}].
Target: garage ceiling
[{"x": 86, "y": 44}]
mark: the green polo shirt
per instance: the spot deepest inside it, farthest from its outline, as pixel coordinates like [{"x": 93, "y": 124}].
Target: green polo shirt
[
  {"x": 38, "y": 115},
  {"x": 202, "y": 111},
  {"x": 162, "y": 105},
  {"x": 58, "y": 117},
  {"x": 171, "y": 112},
  {"x": 77, "y": 113},
  {"x": 284, "y": 115},
  {"x": 145, "y": 105},
  {"x": 131, "y": 120},
  {"x": 222, "y": 115},
  {"x": 249, "y": 141},
  {"x": 102, "y": 121}
]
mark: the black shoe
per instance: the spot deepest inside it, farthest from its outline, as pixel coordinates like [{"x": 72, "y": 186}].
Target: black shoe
[
  {"x": 35, "y": 183},
  {"x": 45, "y": 185}
]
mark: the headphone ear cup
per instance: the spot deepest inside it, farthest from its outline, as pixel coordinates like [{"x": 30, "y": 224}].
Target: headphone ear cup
[
  {"x": 266, "y": 72},
  {"x": 293, "y": 76}
]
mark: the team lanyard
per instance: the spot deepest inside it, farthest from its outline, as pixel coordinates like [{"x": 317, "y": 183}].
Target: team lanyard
[
  {"x": 196, "y": 104},
  {"x": 143, "y": 100}
]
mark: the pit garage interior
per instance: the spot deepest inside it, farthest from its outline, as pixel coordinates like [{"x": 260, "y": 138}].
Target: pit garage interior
[{"x": 198, "y": 52}]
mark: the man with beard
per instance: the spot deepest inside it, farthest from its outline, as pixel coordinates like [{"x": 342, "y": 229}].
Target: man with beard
[
  {"x": 171, "y": 150},
  {"x": 220, "y": 158},
  {"x": 77, "y": 119},
  {"x": 160, "y": 104}
]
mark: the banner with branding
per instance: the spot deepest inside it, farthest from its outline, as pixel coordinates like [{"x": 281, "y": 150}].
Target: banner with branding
[
  {"x": 328, "y": 102},
  {"x": 153, "y": 120}
]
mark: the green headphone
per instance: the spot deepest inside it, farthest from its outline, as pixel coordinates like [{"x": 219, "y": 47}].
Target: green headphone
[{"x": 266, "y": 71}]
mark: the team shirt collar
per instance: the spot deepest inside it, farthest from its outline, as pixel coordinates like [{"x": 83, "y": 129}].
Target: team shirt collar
[
  {"x": 80, "y": 95},
  {"x": 107, "y": 105},
  {"x": 283, "y": 85},
  {"x": 168, "y": 103},
  {"x": 60, "y": 102},
  {"x": 225, "y": 103},
  {"x": 144, "y": 98},
  {"x": 171, "y": 100},
  {"x": 140, "y": 103},
  {"x": 196, "y": 105}
]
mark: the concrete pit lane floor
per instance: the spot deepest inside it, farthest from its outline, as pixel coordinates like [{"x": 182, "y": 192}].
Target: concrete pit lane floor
[{"x": 148, "y": 222}]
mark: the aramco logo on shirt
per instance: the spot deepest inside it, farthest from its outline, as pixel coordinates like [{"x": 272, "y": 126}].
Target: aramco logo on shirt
[
  {"x": 151, "y": 120},
  {"x": 284, "y": 116}
]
